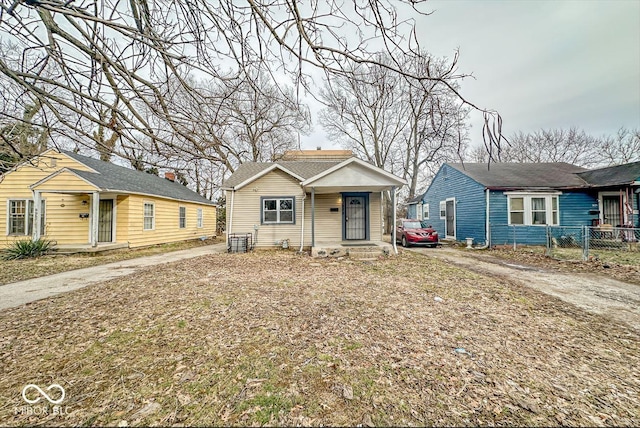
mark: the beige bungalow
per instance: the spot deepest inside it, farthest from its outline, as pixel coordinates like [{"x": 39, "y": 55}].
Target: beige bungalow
[
  {"x": 326, "y": 201},
  {"x": 84, "y": 204}
]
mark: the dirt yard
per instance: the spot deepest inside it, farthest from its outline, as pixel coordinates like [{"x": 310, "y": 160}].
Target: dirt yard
[
  {"x": 280, "y": 339},
  {"x": 582, "y": 284}
]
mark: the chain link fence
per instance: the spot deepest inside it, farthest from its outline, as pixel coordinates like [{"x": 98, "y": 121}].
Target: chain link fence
[{"x": 566, "y": 242}]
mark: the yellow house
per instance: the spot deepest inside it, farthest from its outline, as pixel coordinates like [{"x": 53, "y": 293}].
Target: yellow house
[
  {"x": 82, "y": 203},
  {"x": 329, "y": 204}
]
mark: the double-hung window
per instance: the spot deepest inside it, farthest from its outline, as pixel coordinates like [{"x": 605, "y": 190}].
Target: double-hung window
[
  {"x": 425, "y": 209},
  {"x": 20, "y": 217},
  {"x": 533, "y": 208},
  {"x": 199, "y": 220},
  {"x": 278, "y": 210},
  {"x": 182, "y": 214},
  {"x": 443, "y": 209},
  {"x": 149, "y": 216}
]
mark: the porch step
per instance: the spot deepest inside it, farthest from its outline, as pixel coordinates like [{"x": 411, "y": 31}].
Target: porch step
[{"x": 368, "y": 253}]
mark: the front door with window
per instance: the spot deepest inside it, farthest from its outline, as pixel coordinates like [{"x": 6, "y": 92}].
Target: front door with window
[
  {"x": 355, "y": 218},
  {"x": 105, "y": 220},
  {"x": 611, "y": 210},
  {"x": 450, "y": 214}
]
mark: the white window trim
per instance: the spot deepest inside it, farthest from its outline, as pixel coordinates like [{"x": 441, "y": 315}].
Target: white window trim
[
  {"x": 425, "y": 212},
  {"x": 443, "y": 210},
  {"x": 199, "y": 218},
  {"x": 28, "y": 202},
  {"x": 153, "y": 218},
  {"x": 180, "y": 217},
  {"x": 278, "y": 199},
  {"x": 528, "y": 216}
]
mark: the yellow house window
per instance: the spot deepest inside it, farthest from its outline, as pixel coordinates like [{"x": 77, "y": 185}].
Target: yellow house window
[
  {"x": 199, "y": 220},
  {"x": 20, "y": 217},
  {"x": 149, "y": 216},
  {"x": 183, "y": 217}
]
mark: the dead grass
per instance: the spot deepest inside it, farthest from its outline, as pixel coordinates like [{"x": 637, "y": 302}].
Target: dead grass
[
  {"x": 265, "y": 338},
  {"x": 19, "y": 270},
  {"x": 620, "y": 265}
]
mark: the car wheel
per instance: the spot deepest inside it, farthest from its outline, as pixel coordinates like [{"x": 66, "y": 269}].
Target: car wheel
[{"x": 404, "y": 241}]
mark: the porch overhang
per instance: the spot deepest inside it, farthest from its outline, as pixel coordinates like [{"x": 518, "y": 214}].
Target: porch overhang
[{"x": 352, "y": 175}]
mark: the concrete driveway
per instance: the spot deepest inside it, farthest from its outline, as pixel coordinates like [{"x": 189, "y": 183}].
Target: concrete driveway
[
  {"x": 19, "y": 293},
  {"x": 591, "y": 292}
]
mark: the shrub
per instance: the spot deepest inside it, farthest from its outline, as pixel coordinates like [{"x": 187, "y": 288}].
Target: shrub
[{"x": 26, "y": 249}]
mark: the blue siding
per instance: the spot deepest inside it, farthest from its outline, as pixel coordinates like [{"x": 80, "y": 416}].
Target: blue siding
[
  {"x": 470, "y": 204},
  {"x": 574, "y": 211},
  {"x": 411, "y": 211}
]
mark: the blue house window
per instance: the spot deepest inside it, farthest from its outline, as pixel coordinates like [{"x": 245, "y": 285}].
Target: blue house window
[{"x": 532, "y": 208}]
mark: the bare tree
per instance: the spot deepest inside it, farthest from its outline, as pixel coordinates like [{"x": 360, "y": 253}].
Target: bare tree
[
  {"x": 624, "y": 147},
  {"x": 79, "y": 59},
  {"x": 553, "y": 145}
]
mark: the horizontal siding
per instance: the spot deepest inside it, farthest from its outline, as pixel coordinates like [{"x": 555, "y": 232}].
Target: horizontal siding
[
  {"x": 122, "y": 218},
  {"x": 328, "y": 225},
  {"x": 246, "y": 209},
  {"x": 66, "y": 181},
  {"x": 166, "y": 222},
  {"x": 470, "y": 203},
  {"x": 15, "y": 185}
]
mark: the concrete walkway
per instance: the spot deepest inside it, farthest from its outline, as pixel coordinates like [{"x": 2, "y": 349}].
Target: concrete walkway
[{"x": 19, "y": 293}]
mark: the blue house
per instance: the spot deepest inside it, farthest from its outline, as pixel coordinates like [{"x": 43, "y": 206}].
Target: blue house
[{"x": 485, "y": 202}]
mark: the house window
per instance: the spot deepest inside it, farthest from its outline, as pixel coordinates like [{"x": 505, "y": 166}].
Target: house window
[
  {"x": 183, "y": 217},
  {"x": 20, "y": 217},
  {"x": 149, "y": 216},
  {"x": 425, "y": 212},
  {"x": 199, "y": 222},
  {"x": 533, "y": 209},
  {"x": 443, "y": 209},
  {"x": 278, "y": 210}
]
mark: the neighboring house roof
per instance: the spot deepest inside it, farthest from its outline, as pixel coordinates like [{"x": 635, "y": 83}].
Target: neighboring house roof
[
  {"x": 416, "y": 199},
  {"x": 246, "y": 172},
  {"x": 110, "y": 177},
  {"x": 554, "y": 175},
  {"x": 613, "y": 176}
]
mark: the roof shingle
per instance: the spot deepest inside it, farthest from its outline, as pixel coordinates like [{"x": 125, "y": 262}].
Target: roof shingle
[{"x": 612, "y": 176}]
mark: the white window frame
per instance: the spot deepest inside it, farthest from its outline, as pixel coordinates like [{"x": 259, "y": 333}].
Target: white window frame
[
  {"x": 182, "y": 217},
  {"x": 28, "y": 219},
  {"x": 528, "y": 212},
  {"x": 443, "y": 210},
  {"x": 145, "y": 216},
  {"x": 199, "y": 219},
  {"x": 278, "y": 200},
  {"x": 425, "y": 211}
]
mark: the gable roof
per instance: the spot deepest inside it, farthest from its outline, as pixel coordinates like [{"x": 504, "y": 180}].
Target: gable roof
[
  {"x": 553, "y": 175},
  {"x": 110, "y": 177},
  {"x": 250, "y": 171},
  {"x": 613, "y": 175}
]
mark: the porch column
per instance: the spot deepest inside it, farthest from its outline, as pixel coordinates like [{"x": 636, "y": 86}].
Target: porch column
[
  {"x": 313, "y": 217},
  {"x": 37, "y": 201},
  {"x": 393, "y": 226},
  {"x": 95, "y": 203}
]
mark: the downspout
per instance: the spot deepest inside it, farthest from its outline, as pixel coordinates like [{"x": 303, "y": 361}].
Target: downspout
[
  {"x": 393, "y": 226},
  {"x": 230, "y": 216},
  {"x": 487, "y": 225},
  {"x": 304, "y": 196}
]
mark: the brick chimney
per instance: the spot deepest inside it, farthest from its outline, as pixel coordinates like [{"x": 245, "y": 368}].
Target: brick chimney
[{"x": 170, "y": 176}]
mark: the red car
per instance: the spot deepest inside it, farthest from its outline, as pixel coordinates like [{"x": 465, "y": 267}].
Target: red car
[{"x": 411, "y": 232}]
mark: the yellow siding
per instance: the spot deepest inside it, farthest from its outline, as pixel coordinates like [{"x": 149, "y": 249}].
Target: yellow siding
[
  {"x": 15, "y": 185},
  {"x": 166, "y": 221},
  {"x": 246, "y": 209},
  {"x": 62, "y": 218},
  {"x": 328, "y": 225},
  {"x": 122, "y": 218},
  {"x": 66, "y": 181}
]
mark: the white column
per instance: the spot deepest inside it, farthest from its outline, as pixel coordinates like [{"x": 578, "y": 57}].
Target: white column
[
  {"x": 313, "y": 217},
  {"x": 37, "y": 198},
  {"x": 95, "y": 204},
  {"x": 393, "y": 226}
]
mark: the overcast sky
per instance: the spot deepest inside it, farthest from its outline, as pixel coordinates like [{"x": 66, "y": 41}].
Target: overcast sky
[{"x": 541, "y": 64}]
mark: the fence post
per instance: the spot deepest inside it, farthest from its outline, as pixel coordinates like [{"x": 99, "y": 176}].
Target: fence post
[
  {"x": 514, "y": 238},
  {"x": 548, "y": 241},
  {"x": 586, "y": 236}
]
